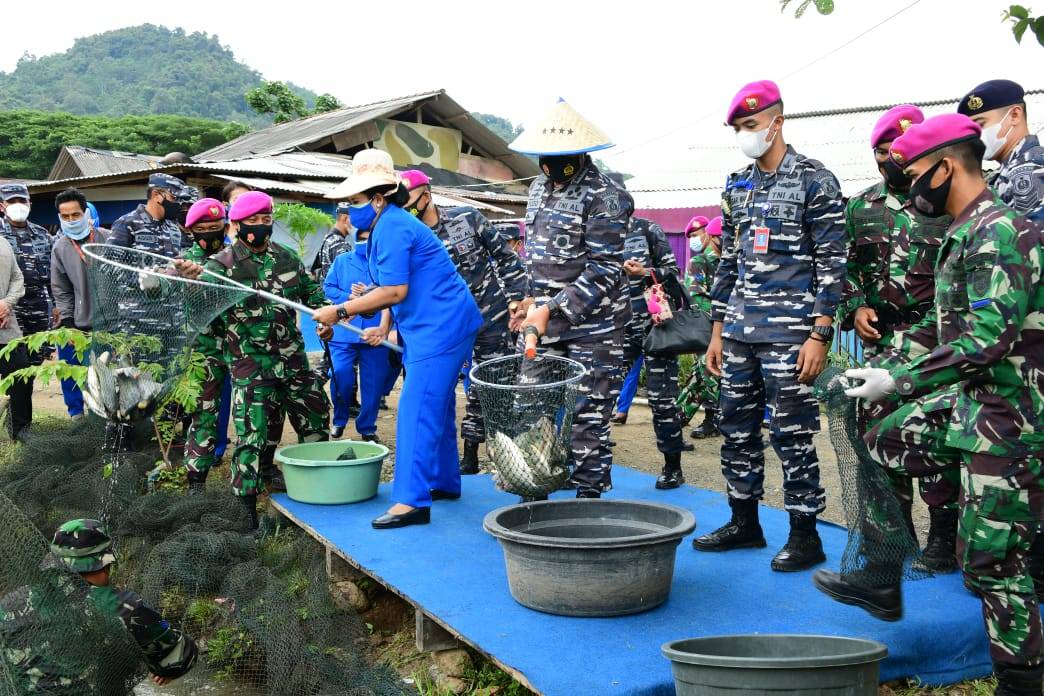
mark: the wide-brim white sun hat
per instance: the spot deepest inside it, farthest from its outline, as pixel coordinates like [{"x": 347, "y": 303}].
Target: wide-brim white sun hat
[
  {"x": 370, "y": 168},
  {"x": 560, "y": 131}
]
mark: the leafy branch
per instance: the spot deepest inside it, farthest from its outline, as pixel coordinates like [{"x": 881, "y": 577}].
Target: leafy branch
[
  {"x": 824, "y": 7},
  {"x": 49, "y": 371},
  {"x": 183, "y": 398},
  {"x": 1021, "y": 20},
  {"x": 301, "y": 221}
]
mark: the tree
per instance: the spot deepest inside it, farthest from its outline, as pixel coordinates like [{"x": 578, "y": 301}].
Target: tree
[
  {"x": 326, "y": 102},
  {"x": 278, "y": 100},
  {"x": 507, "y": 130}
]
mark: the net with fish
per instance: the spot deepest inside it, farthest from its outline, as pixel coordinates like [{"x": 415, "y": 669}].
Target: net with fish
[
  {"x": 259, "y": 607},
  {"x": 528, "y": 405},
  {"x": 881, "y": 549}
]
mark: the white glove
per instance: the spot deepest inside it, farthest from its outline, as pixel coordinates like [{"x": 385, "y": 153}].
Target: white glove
[
  {"x": 877, "y": 383},
  {"x": 147, "y": 282}
]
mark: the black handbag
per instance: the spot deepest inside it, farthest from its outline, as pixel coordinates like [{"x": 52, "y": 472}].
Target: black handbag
[{"x": 687, "y": 331}]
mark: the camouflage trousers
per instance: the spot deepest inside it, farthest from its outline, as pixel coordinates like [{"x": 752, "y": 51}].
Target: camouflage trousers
[
  {"x": 490, "y": 344},
  {"x": 202, "y": 436},
  {"x": 661, "y": 379},
  {"x": 603, "y": 356},
  {"x": 755, "y": 375},
  {"x": 702, "y": 390},
  {"x": 1001, "y": 502},
  {"x": 258, "y": 406}
]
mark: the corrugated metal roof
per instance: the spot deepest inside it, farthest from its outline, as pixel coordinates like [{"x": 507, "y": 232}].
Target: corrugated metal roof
[
  {"x": 89, "y": 161},
  {"x": 298, "y": 164}
]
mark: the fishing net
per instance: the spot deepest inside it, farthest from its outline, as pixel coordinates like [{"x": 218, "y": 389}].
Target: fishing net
[
  {"x": 528, "y": 407},
  {"x": 258, "y": 606},
  {"x": 144, "y": 321},
  {"x": 881, "y": 549}
]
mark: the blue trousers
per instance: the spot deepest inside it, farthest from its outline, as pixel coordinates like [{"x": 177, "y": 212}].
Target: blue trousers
[
  {"x": 373, "y": 369},
  {"x": 630, "y": 386},
  {"x": 224, "y": 415},
  {"x": 71, "y": 393},
  {"x": 426, "y": 432}
]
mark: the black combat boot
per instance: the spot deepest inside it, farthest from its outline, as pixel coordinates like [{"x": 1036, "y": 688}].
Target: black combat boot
[
  {"x": 803, "y": 548},
  {"x": 469, "y": 463},
  {"x": 939, "y": 553},
  {"x": 197, "y": 482},
  {"x": 272, "y": 478},
  {"x": 709, "y": 426},
  {"x": 672, "y": 475},
  {"x": 249, "y": 503},
  {"x": 883, "y": 601},
  {"x": 743, "y": 531},
  {"x": 1018, "y": 681}
]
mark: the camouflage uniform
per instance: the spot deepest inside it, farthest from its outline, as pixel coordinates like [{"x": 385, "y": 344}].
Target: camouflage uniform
[
  {"x": 266, "y": 352},
  {"x": 574, "y": 258},
  {"x": 702, "y": 389},
  {"x": 139, "y": 230},
  {"x": 334, "y": 244},
  {"x": 892, "y": 251},
  {"x": 32, "y": 248},
  {"x": 977, "y": 399},
  {"x": 647, "y": 244},
  {"x": 495, "y": 277},
  {"x": 1020, "y": 180},
  {"x": 768, "y": 301}
]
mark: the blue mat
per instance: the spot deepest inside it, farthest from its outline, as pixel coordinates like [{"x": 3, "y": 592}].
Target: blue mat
[{"x": 454, "y": 570}]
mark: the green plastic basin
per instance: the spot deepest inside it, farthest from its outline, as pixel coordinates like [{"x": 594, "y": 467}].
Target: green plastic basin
[{"x": 313, "y": 474}]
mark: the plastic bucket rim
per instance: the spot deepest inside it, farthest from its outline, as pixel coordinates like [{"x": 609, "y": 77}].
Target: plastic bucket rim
[
  {"x": 293, "y": 461},
  {"x": 529, "y": 387},
  {"x": 873, "y": 651},
  {"x": 686, "y": 525}
]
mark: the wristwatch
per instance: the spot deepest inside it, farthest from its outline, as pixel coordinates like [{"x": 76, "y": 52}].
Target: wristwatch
[
  {"x": 824, "y": 332},
  {"x": 342, "y": 313}
]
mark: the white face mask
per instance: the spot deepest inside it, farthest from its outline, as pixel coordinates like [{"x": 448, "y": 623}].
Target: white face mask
[
  {"x": 990, "y": 137},
  {"x": 17, "y": 212},
  {"x": 695, "y": 243},
  {"x": 753, "y": 143}
]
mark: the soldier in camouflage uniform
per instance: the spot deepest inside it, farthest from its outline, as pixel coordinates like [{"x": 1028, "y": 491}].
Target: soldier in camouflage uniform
[
  {"x": 495, "y": 277},
  {"x": 266, "y": 350},
  {"x": 702, "y": 389},
  {"x": 153, "y": 225},
  {"x": 32, "y": 642},
  {"x": 774, "y": 297},
  {"x": 976, "y": 400},
  {"x": 888, "y": 294},
  {"x": 32, "y": 246},
  {"x": 999, "y": 107},
  {"x": 576, "y": 224}
]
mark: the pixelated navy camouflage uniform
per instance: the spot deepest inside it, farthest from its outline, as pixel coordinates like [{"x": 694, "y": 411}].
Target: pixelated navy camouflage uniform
[
  {"x": 977, "y": 400},
  {"x": 647, "y": 244},
  {"x": 892, "y": 251},
  {"x": 702, "y": 388},
  {"x": 32, "y": 248},
  {"x": 768, "y": 302},
  {"x": 1020, "y": 180},
  {"x": 496, "y": 277},
  {"x": 334, "y": 244},
  {"x": 574, "y": 257},
  {"x": 269, "y": 368}
]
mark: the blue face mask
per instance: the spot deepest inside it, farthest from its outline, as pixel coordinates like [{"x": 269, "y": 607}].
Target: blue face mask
[
  {"x": 76, "y": 229},
  {"x": 362, "y": 215},
  {"x": 696, "y": 244}
]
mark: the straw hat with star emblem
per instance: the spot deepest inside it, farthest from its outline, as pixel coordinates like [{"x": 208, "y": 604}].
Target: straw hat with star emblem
[{"x": 561, "y": 131}]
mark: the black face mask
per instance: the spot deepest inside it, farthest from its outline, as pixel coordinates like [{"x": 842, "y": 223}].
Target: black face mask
[
  {"x": 931, "y": 202},
  {"x": 894, "y": 176},
  {"x": 172, "y": 210},
  {"x": 210, "y": 241},
  {"x": 419, "y": 212},
  {"x": 254, "y": 235},
  {"x": 561, "y": 168}
]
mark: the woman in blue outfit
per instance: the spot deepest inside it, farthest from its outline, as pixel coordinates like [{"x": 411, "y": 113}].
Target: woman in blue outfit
[
  {"x": 437, "y": 319},
  {"x": 348, "y": 348}
]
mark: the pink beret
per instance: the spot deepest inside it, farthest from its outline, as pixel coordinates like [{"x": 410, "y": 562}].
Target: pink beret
[
  {"x": 752, "y": 98},
  {"x": 697, "y": 221},
  {"x": 894, "y": 123},
  {"x": 250, "y": 203},
  {"x": 205, "y": 210},
  {"x": 934, "y": 133},
  {"x": 714, "y": 227},
  {"x": 414, "y": 178}
]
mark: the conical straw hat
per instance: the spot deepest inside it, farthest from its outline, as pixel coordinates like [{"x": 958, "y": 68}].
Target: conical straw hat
[{"x": 561, "y": 131}]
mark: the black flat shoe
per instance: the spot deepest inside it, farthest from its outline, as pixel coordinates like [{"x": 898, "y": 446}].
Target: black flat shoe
[
  {"x": 421, "y": 515},
  {"x": 337, "y": 432},
  {"x": 436, "y": 494}
]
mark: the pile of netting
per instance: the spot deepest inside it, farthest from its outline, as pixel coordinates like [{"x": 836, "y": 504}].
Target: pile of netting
[
  {"x": 258, "y": 606},
  {"x": 881, "y": 548}
]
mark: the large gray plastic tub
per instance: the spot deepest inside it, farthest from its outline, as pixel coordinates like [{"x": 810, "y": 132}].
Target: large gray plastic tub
[
  {"x": 763, "y": 665},
  {"x": 590, "y": 557}
]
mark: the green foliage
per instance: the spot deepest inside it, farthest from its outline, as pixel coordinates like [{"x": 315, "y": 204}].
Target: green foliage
[
  {"x": 183, "y": 398},
  {"x": 229, "y": 652},
  {"x": 48, "y": 371},
  {"x": 145, "y": 69},
  {"x": 824, "y": 7},
  {"x": 31, "y": 140},
  {"x": 202, "y": 617},
  {"x": 1021, "y": 20},
  {"x": 301, "y": 221},
  {"x": 507, "y": 130},
  {"x": 278, "y": 100}
]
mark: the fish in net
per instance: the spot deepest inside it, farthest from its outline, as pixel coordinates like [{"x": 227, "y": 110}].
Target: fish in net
[
  {"x": 528, "y": 406},
  {"x": 881, "y": 549}
]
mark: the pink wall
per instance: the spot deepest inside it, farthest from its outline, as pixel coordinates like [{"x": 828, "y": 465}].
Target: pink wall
[{"x": 673, "y": 222}]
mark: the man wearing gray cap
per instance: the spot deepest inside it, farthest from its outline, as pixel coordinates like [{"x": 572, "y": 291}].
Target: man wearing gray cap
[
  {"x": 32, "y": 247},
  {"x": 153, "y": 225}
]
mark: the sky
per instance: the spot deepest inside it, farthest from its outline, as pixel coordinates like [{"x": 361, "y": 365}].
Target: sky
[{"x": 656, "y": 76}]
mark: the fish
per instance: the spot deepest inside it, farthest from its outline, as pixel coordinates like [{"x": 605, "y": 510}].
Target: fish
[
  {"x": 123, "y": 394},
  {"x": 532, "y": 462}
]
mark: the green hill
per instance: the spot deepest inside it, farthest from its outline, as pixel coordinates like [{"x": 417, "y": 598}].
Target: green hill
[{"x": 138, "y": 71}]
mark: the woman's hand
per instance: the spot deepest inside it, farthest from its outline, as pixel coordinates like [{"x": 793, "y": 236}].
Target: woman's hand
[
  {"x": 358, "y": 290},
  {"x": 634, "y": 268},
  {"x": 519, "y": 315},
  {"x": 326, "y": 315},
  {"x": 324, "y": 332},
  {"x": 374, "y": 336}
]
